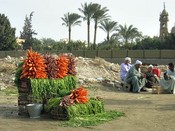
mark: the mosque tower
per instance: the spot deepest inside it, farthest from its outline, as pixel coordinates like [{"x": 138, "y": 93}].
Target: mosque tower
[{"x": 163, "y": 23}]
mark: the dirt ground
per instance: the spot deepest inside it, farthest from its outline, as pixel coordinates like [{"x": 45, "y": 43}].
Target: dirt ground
[{"x": 143, "y": 112}]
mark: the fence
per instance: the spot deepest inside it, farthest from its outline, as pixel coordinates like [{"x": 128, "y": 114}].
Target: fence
[
  {"x": 140, "y": 54},
  {"x": 115, "y": 56}
]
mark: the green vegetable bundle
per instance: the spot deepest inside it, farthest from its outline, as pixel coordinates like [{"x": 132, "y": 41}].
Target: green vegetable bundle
[
  {"x": 43, "y": 88},
  {"x": 93, "y": 106}
]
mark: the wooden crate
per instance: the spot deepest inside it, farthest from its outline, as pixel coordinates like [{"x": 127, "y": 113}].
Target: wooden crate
[
  {"x": 59, "y": 114},
  {"x": 24, "y": 86}
]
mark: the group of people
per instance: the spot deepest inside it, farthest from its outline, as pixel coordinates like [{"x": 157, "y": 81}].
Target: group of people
[{"x": 132, "y": 75}]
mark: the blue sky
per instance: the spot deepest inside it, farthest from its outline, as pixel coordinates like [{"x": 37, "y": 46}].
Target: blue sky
[{"x": 46, "y": 21}]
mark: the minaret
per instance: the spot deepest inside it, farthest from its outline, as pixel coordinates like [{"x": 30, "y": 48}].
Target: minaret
[{"x": 163, "y": 23}]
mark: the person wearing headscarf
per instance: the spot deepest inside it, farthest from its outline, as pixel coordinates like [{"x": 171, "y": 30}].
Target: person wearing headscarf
[
  {"x": 168, "y": 80},
  {"x": 135, "y": 77},
  {"x": 124, "y": 68}
]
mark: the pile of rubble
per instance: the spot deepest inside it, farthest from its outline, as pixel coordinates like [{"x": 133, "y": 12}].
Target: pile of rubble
[
  {"x": 92, "y": 70},
  {"x": 7, "y": 71}
]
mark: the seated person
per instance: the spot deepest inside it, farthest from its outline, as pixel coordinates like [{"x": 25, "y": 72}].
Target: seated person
[
  {"x": 168, "y": 80},
  {"x": 135, "y": 77},
  {"x": 151, "y": 78},
  {"x": 156, "y": 71},
  {"x": 124, "y": 68}
]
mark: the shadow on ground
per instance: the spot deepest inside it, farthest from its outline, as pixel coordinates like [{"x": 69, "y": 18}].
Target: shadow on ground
[{"x": 126, "y": 102}]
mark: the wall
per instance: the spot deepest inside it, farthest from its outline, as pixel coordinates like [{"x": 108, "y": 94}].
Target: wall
[{"x": 115, "y": 56}]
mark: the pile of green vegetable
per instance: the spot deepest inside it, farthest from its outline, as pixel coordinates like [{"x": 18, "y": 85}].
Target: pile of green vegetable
[
  {"x": 92, "y": 119},
  {"x": 93, "y": 106},
  {"x": 91, "y": 113}
]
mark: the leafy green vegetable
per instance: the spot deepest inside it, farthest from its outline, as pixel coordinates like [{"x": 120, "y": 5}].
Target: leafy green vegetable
[
  {"x": 93, "y": 120},
  {"x": 54, "y": 102},
  {"x": 93, "y": 106},
  {"x": 43, "y": 88},
  {"x": 74, "y": 110}
]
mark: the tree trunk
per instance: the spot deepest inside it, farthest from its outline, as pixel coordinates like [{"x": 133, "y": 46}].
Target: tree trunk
[
  {"x": 88, "y": 32},
  {"x": 69, "y": 34},
  {"x": 108, "y": 38},
  {"x": 95, "y": 35}
]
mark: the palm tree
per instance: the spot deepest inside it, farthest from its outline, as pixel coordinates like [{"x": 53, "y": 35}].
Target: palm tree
[
  {"x": 88, "y": 11},
  {"x": 69, "y": 20},
  {"x": 128, "y": 33},
  {"x": 99, "y": 16},
  {"x": 108, "y": 26}
]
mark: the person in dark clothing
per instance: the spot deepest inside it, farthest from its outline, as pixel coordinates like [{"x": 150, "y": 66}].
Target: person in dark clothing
[{"x": 151, "y": 78}]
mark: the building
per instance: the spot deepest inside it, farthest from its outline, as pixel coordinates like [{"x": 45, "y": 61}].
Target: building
[
  {"x": 173, "y": 29},
  {"x": 20, "y": 41},
  {"x": 164, "y": 24}
]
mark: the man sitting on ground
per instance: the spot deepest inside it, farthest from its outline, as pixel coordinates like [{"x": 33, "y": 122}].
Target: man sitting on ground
[
  {"x": 135, "y": 77},
  {"x": 151, "y": 78},
  {"x": 124, "y": 68},
  {"x": 168, "y": 81}
]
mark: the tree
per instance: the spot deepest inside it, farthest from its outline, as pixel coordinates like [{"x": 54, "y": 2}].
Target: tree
[
  {"x": 99, "y": 16},
  {"x": 69, "y": 20},
  {"x": 169, "y": 42},
  {"x": 108, "y": 26},
  {"x": 48, "y": 41},
  {"x": 88, "y": 11},
  {"x": 37, "y": 45},
  {"x": 128, "y": 33},
  {"x": 148, "y": 44},
  {"x": 28, "y": 32},
  {"x": 7, "y": 34}
]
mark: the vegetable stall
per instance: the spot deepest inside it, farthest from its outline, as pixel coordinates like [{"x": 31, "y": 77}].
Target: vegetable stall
[{"x": 52, "y": 81}]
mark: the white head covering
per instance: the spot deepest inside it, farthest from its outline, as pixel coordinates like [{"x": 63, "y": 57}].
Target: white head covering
[
  {"x": 138, "y": 62},
  {"x": 128, "y": 59},
  {"x": 150, "y": 66}
]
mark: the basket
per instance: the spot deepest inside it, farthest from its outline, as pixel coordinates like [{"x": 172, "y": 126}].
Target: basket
[{"x": 157, "y": 89}]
